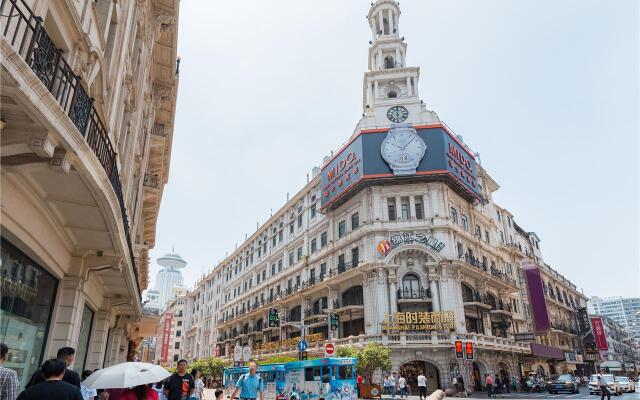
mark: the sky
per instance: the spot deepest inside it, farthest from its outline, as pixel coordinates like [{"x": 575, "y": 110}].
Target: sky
[{"x": 546, "y": 91}]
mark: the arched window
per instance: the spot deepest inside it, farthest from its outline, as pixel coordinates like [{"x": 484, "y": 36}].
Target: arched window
[
  {"x": 491, "y": 301},
  {"x": 392, "y": 94},
  {"x": 320, "y": 305},
  {"x": 410, "y": 287},
  {"x": 389, "y": 63},
  {"x": 467, "y": 293},
  {"x": 295, "y": 314},
  {"x": 353, "y": 297}
]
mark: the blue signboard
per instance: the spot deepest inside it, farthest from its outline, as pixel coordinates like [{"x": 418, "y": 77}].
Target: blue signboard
[
  {"x": 362, "y": 160},
  {"x": 302, "y": 345}
]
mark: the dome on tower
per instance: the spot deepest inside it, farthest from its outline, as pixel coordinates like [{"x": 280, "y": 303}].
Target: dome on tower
[{"x": 172, "y": 260}]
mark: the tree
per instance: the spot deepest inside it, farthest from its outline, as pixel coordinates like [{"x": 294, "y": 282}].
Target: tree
[
  {"x": 371, "y": 357},
  {"x": 278, "y": 360},
  {"x": 348, "y": 351}
]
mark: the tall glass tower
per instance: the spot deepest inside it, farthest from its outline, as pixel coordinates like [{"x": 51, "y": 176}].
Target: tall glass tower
[{"x": 169, "y": 276}]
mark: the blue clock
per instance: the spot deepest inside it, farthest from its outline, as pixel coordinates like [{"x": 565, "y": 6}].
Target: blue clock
[{"x": 403, "y": 149}]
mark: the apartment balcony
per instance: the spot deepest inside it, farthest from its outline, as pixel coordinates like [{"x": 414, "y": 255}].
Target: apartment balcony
[
  {"x": 477, "y": 268},
  {"x": 418, "y": 295},
  {"x": 57, "y": 153}
]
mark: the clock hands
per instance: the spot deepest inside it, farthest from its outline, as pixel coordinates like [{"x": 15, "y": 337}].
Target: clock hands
[{"x": 408, "y": 143}]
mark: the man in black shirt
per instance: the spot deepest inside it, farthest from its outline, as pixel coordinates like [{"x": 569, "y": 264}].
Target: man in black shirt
[
  {"x": 180, "y": 385},
  {"x": 66, "y": 354},
  {"x": 53, "y": 388}
]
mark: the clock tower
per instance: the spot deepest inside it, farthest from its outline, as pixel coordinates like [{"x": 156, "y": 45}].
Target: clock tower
[{"x": 390, "y": 87}]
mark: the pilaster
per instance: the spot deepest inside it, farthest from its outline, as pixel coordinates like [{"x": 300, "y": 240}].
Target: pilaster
[{"x": 68, "y": 316}]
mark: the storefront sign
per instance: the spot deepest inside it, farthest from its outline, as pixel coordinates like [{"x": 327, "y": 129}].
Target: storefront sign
[
  {"x": 599, "y": 333},
  {"x": 419, "y": 321},
  {"x": 385, "y": 246},
  {"x": 316, "y": 337},
  {"x": 535, "y": 292},
  {"x": 166, "y": 337},
  {"x": 524, "y": 337},
  {"x": 570, "y": 356},
  {"x": 342, "y": 172}
]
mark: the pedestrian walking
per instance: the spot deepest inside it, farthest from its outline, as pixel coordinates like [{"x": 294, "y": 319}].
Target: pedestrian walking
[
  {"x": 460, "y": 386},
  {"x": 140, "y": 392},
  {"x": 67, "y": 355},
  {"x": 87, "y": 393},
  {"x": 179, "y": 386},
  {"x": 422, "y": 385},
  {"x": 53, "y": 387},
  {"x": 219, "y": 394},
  {"x": 604, "y": 388},
  {"x": 198, "y": 385},
  {"x": 159, "y": 388},
  {"x": 402, "y": 384},
  {"x": 250, "y": 385},
  {"x": 385, "y": 385},
  {"x": 514, "y": 383},
  {"x": 8, "y": 377},
  {"x": 359, "y": 381},
  {"x": 488, "y": 381},
  {"x": 497, "y": 386},
  {"x": 393, "y": 384}
]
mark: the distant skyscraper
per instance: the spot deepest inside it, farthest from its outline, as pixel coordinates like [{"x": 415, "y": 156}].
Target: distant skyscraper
[
  {"x": 624, "y": 311},
  {"x": 169, "y": 276}
]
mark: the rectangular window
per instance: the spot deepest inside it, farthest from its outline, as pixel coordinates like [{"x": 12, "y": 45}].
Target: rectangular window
[
  {"x": 391, "y": 208},
  {"x": 312, "y": 275},
  {"x": 486, "y": 236},
  {"x": 323, "y": 239},
  {"x": 465, "y": 222},
  {"x": 340, "y": 262},
  {"x": 454, "y": 215},
  {"x": 298, "y": 280},
  {"x": 501, "y": 237},
  {"x": 290, "y": 259},
  {"x": 280, "y": 235},
  {"x": 300, "y": 221},
  {"x": 314, "y": 245},
  {"x": 419, "y": 208},
  {"x": 83, "y": 340},
  {"x": 341, "y": 228},
  {"x": 264, "y": 274},
  {"x": 289, "y": 283},
  {"x": 323, "y": 270},
  {"x": 258, "y": 279},
  {"x": 312, "y": 210},
  {"x": 179, "y": 323},
  {"x": 273, "y": 269},
  {"x": 355, "y": 257},
  {"x": 299, "y": 251},
  {"x": 291, "y": 227},
  {"x": 178, "y": 333},
  {"x": 273, "y": 242},
  {"x": 404, "y": 206},
  {"x": 177, "y": 346},
  {"x": 478, "y": 231},
  {"x": 460, "y": 250},
  {"x": 499, "y": 216},
  {"x": 355, "y": 221}
]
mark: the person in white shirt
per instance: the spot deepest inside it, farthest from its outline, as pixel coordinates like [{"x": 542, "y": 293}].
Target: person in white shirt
[
  {"x": 402, "y": 384},
  {"x": 393, "y": 385},
  {"x": 87, "y": 394},
  {"x": 422, "y": 385}
]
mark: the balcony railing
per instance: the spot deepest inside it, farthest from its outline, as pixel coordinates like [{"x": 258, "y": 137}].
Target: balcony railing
[
  {"x": 481, "y": 265},
  {"x": 26, "y": 34},
  {"x": 417, "y": 294}
]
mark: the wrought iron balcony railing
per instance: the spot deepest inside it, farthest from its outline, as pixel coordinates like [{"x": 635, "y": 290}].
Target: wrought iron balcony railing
[
  {"x": 26, "y": 34},
  {"x": 416, "y": 294}
]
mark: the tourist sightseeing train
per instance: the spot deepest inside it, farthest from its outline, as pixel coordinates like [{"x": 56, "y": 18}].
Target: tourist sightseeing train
[{"x": 326, "y": 378}]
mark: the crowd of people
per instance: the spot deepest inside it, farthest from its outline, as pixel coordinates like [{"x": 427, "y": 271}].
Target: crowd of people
[{"x": 54, "y": 380}]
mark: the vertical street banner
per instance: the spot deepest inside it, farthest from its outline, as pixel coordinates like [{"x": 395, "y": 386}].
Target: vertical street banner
[
  {"x": 599, "y": 334},
  {"x": 584, "y": 325},
  {"x": 535, "y": 292},
  {"x": 166, "y": 336}
]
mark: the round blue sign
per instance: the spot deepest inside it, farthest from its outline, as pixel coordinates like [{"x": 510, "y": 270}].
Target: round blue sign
[{"x": 302, "y": 345}]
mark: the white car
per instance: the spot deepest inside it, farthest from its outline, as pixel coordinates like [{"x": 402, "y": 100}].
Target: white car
[
  {"x": 626, "y": 384},
  {"x": 612, "y": 384}
]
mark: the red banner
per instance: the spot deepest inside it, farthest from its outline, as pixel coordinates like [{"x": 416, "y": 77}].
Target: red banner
[
  {"x": 599, "y": 334},
  {"x": 166, "y": 336}
]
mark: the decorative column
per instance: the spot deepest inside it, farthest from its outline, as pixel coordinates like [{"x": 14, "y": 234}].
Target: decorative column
[
  {"x": 393, "y": 290},
  {"x": 375, "y": 90},
  {"x": 434, "y": 288},
  {"x": 382, "y": 296},
  {"x": 390, "y": 19},
  {"x": 380, "y": 21},
  {"x": 98, "y": 344},
  {"x": 68, "y": 317},
  {"x": 115, "y": 343},
  {"x": 399, "y": 62},
  {"x": 409, "y": 89}
]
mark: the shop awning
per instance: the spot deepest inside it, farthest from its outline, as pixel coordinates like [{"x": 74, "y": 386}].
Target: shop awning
[
  {"x": 541, "y": 350},
  {"x": 612, "y": 365}
]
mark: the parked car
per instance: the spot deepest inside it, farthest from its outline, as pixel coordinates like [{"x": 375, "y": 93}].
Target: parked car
[
  {"x": 612, "y": 383},
  {"x": 562, "y": 383},
  {"x": 626, "y": 384}
]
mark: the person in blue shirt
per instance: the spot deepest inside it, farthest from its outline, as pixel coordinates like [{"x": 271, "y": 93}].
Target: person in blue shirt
[{"x": 249, "y": 385}]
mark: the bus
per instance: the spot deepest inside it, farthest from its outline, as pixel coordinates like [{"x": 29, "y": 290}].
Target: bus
[
  {"x": 273, "y": 376},
  {"x": 327, "y": 378}
]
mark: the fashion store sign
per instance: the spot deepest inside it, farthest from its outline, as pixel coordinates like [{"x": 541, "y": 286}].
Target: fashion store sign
[
  {"x": 419, "y": 321},
  {"x": 385, "y": 246}
]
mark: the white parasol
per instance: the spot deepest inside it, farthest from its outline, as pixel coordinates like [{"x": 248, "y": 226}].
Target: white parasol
[{"x": 126, "y": 375}]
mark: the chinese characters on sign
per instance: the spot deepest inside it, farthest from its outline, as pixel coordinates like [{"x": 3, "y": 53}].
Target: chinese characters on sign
[
  {"x": 385, "y": 246},
  {"x": 166, "y": 336},
  {"x": 419, "y": 321},
  {"x": 598, "y": 332},
  {"x": 316, "y": 337}
]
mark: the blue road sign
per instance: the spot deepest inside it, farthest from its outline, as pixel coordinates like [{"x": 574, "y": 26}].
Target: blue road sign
[{"x": 302, "y": 345}]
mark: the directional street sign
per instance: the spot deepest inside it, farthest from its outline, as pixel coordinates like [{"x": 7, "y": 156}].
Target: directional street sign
[{"x": 302, "y": 345}]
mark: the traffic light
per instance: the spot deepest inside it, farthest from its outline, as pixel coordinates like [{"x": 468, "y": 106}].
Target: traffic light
[
  {"x": 459, "y": 349},
  {"x": 468, "y": 350},
  {"x": 274, "y": 318},
  {"x": 335, "y": 318}
]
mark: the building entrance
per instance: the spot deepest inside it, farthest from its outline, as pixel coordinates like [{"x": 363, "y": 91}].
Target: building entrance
[{"x": 412, "y": 369}]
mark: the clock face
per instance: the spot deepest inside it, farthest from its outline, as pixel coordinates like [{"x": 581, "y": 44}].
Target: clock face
[
  {"x": 403, "y": 148},
  {"x": 397, "y": 114}
]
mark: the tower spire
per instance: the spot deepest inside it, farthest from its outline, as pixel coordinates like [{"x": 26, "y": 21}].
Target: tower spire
[{"x": 389, "y": 82}]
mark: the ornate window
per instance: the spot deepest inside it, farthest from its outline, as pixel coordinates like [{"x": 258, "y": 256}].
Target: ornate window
[
  {"x": 389, "y": 62},
  {"x": 410, "y": 286},
  {"x": 353, "y": 297}
]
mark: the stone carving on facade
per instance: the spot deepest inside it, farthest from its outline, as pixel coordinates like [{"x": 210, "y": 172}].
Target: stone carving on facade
[
  {"x": 165, "y": 20},
  {"x": 161, "y": 93}
]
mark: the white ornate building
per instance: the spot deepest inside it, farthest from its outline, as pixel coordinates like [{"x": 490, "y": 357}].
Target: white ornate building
[
  {"x": 87, "y": 108},
  {"x": 393, "y": 230}
]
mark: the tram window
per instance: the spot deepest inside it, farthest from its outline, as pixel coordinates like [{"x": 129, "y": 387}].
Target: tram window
[
  {"x": 308, "y": 374},
  {"x": 345, "y": 372},
  {"x": 326, "y": 375}
]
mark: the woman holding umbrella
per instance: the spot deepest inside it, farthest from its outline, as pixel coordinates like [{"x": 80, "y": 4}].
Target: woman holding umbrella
[
  {"x": 134, "y": 375},
  {"x": 140, "y": 392}
]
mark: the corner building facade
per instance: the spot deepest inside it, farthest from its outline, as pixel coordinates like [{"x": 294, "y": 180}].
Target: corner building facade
[
  {"x": 397, "y": 233},
  {"x": 87, "y": 107}
]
